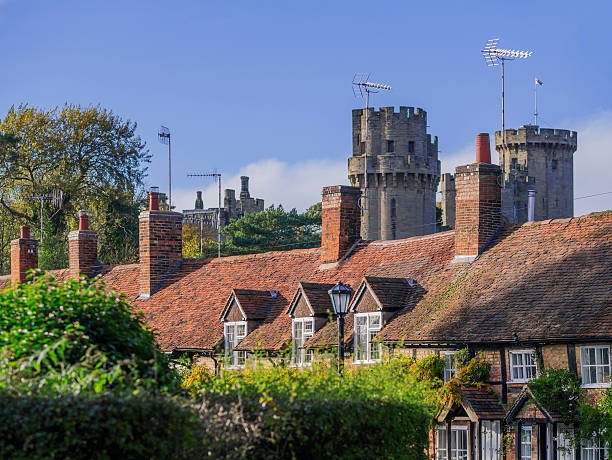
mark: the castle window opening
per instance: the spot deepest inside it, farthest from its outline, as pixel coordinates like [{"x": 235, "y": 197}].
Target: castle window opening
[
  {"x": 363, "y": 148},
  {"x": 390, "y": 146},
  {"x": 554, "y": 164},
  {"x": 410, "y": 146}
]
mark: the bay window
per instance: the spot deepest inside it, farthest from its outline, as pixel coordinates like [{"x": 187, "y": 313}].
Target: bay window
[{"x": 459, "y": 443}]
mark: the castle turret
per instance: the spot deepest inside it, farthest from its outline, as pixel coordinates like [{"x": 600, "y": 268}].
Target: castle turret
[
  {"x": 199, "y": 203},
  {"x": 403, "y": 172},
  {"x": 538, "y": 159}
]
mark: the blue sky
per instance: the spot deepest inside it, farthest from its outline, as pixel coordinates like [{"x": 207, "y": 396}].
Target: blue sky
[{"x": 265, "y": 90}]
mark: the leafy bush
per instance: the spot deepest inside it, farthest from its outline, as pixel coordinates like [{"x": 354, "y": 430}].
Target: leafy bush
[
  {"x": 373, "y": 412},
  {"x": 61, "y": 324}
]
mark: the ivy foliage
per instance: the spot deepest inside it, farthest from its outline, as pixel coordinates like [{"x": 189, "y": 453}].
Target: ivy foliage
[{"x": 558, "y": 390}]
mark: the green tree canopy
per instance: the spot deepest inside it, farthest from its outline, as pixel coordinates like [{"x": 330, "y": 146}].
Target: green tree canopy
[
  {"x": 273, "y": 229},
  {"x": 89, "y": 154}
]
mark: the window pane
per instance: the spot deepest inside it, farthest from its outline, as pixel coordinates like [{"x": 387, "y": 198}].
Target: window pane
[
  {"x": 375, "y": 321},
  {"x": 308, "y": 327}
]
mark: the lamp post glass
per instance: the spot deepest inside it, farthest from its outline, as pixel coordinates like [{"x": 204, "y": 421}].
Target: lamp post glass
[{"x": 340, "y": 296}]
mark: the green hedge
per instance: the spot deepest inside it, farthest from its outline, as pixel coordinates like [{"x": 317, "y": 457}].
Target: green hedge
[{"x": 100, "y": 427}]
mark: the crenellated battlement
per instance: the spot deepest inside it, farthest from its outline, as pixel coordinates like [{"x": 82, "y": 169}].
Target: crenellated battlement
[{"x": 535, "y": 135}]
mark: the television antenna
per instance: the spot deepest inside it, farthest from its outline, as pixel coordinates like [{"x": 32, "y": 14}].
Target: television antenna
[
  {"x": 164, "y": 137},
  {"x": 55, "y": 198},
  {"x": 362, "y": 85},
  {"x": 218, "y": 178},
  {"x": 493, "y": 57}
]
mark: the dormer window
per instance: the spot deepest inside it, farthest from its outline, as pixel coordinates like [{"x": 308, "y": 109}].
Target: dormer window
[
  {"x": 234, "y": 333},
  {"x": 367, "y": 325},
  {"x": 303, "y": 328}
]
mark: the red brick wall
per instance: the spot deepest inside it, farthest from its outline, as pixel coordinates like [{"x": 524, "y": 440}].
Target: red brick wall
[
  {"x": 82, "y": 252},
  {"x": 24, "y": 257},
  {"x": 478, "y": 207},
  {"x": 341, "y": 221},
  {"x": 161, "y": 245}
]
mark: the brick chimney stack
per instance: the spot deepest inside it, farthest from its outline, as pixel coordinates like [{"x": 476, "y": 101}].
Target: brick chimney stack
[
  {"x": 341, "y": 221},
  {"x": 82, "y": 249},
  {"x": 24, "y": 255},
  {"x": 478, "y": 203},
  {"x": 161, "y": 245}
]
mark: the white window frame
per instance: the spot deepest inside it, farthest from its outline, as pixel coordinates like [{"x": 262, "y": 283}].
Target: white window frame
[
  {"x": 459, "y": 450},
  {"x": 490, "y": 435},
  {"x": 301, "y": 356},
  {"x": 597, "y": 366},
  {"x": 450, "y": 365},
  {"x": 234, "y": 359},
  {"x": 523, "y": 367},
  {"x": 565, "y": 450},
  {"x": 526, "y": 446},
  {"x": 373, "y": 351},
  {"x": 594, "y": 449}
]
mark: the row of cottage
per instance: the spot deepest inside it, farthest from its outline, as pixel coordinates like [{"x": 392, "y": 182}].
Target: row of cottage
[{"x": 522, "y": 295}]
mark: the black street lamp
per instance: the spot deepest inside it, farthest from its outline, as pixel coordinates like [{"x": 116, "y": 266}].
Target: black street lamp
[{"x": 340, "y": 295}]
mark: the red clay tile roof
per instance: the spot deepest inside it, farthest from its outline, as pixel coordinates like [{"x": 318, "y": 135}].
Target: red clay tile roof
[
  {"x": 543, "y": 280},
  {"x": 254, "y": 304}
]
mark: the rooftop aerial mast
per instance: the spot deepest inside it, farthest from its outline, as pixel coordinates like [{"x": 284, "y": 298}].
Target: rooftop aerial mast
[
  {"x": 495, "y": 56},
  {"x": 363, "y": 86}
]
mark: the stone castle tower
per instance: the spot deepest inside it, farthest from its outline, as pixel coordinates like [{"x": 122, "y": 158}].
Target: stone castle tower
[
  {"x": 403, "y": 172},
  {"x": 538, "y": 159}
]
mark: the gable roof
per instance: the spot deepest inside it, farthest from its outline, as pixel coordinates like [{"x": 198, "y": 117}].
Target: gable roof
[
  {"x": 389, "y": 293},
  {"x": 525, "y": 397},
  {"x": 316, "y": 296},
  {"x": 479, "y": 404},
  {"x": 253, "y": 304}
]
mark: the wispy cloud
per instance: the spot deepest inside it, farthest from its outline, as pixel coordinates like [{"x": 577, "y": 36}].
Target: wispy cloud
[
  {"x": 593, "y": 164},
  {"x": 295, "y": 185}
]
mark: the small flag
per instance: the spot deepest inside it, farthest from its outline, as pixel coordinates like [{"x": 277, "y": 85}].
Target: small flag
[{"x": 538, "y": 82}]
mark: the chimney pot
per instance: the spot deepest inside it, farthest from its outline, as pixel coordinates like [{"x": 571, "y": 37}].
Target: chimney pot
[
  {"x": 83, "y": 220},
  {"x": 154, "y": 199},
  {"x": 483, "y": 148},
  {"x": 24, "y": 232}
]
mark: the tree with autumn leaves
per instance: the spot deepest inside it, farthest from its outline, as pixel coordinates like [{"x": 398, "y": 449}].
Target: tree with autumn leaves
[{"x": 93, "y": 157}]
